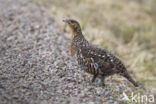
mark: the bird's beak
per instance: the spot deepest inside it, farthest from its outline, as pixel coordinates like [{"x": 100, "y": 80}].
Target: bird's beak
[{"x": 66, "y": 20}]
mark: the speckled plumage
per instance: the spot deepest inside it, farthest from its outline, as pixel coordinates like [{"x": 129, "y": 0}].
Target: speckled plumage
[{"x": 97, "y": 61}]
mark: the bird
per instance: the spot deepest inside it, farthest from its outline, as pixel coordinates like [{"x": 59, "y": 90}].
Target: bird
[{"x": 93, "y": 59}]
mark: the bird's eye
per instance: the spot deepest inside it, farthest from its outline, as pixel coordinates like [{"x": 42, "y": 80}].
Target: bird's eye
[{"x": 70, "y": 23}]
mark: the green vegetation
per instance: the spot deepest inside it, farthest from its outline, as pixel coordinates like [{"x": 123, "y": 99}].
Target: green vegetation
[{"x": 127, "y": 27}]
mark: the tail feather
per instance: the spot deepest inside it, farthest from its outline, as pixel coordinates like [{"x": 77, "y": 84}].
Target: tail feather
[{"x": 128, "y": 77}]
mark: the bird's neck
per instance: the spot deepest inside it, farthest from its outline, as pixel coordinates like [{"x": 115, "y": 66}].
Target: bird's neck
[
  {"x": 78, "y": 40},
  {"x": 77, "y": 37},
  {"x": 76, "y": 34}
]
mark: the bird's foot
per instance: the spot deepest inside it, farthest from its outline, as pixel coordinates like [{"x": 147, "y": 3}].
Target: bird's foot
[
  {"x": 103, "y": 84},
  {"x": 93, "y": 79}
]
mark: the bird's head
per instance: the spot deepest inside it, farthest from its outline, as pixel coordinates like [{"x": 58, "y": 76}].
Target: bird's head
[{"x": 74, "y": 25}]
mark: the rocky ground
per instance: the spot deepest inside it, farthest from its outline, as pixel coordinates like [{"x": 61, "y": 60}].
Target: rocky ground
[{"x": 36, "y": 66}]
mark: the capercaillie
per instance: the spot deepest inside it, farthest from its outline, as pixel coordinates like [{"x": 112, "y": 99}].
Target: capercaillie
[{"x": 95, "y": 60}]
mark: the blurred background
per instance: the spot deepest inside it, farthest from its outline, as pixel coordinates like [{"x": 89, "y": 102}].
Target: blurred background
[{"x": 125, "y": 27}]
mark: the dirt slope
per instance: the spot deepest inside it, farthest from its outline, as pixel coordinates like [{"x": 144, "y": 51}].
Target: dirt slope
[{"x": 36, "y": 66}]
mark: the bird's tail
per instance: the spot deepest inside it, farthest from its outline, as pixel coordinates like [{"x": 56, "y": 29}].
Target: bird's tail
[{"x": 128, "y": 77}]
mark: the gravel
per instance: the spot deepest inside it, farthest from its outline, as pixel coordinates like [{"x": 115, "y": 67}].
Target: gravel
[{"x": 35, "y": 62}]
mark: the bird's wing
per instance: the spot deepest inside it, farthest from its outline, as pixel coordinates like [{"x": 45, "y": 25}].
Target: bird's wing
[{"x": 102, "y": 57}]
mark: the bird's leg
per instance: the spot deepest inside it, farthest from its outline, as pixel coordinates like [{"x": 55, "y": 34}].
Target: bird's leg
[
  {"x": 94, "y": 77},
  {"x": 103, "y": 80}
]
